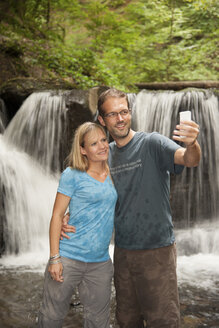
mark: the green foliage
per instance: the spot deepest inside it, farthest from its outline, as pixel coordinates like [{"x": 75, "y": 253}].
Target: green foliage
[{"x": 117, "y": 42}]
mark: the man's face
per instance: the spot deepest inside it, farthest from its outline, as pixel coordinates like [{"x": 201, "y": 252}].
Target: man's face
[{"x": 119, "y": 123}]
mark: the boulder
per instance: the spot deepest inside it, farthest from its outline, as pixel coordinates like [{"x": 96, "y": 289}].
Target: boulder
[
  {"x": 16, "y": 90},
  {"x": 81, "y": 107}
]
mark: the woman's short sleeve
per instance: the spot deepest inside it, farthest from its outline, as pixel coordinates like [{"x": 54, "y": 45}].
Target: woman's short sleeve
[{"x": 66, "y": 182}]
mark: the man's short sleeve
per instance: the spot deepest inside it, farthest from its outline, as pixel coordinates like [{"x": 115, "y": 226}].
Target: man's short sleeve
[
  {"x": 163, "y": 150},
  {"x": 66, "y": 182}
]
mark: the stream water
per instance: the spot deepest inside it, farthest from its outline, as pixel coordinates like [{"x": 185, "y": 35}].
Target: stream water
[
  {"x": 28, "y": 186},
  {"x": 21, "y": 285}
]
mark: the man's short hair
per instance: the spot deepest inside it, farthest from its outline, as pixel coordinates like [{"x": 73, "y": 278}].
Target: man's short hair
[{"x": 110, "y": 93}]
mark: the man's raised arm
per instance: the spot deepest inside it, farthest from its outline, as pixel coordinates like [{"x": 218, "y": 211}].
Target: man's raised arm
[{"x": 187, "y": 132}]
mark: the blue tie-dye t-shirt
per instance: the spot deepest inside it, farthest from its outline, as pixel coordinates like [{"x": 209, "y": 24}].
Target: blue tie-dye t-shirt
[{"x": 91, "y": 208}]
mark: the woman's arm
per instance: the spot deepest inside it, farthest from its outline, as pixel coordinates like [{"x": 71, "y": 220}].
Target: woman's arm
[{"x": 60, "y": 206}]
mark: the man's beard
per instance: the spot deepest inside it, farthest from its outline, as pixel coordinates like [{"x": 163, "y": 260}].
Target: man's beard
[{"x": 120, "y": 135}]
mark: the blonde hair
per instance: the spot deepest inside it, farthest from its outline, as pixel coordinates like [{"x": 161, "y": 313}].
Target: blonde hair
[{"x": 75, "y": 159}]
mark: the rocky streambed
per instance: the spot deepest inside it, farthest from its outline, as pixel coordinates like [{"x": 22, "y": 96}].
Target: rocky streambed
[{"x": 21, "y": 293}]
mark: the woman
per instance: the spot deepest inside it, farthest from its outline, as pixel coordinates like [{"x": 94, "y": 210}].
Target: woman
[{"x": 83, "y": 259}]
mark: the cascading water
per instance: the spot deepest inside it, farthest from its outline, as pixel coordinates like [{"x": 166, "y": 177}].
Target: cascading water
[
  {"x": 39, "y": 127},
  {"x": 27, "y": 195},
  {"x": 196, "y": 191},
  {"x": 30, "y": 151}
]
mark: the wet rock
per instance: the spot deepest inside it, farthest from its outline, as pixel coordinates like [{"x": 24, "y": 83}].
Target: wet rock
[
  {"x": 21, "y": 296},
  {"x": 199, "y": 307},
  {"x": 3, "y": 116},
  {"x": 81, "y": 107},
  {"x": 16, "y": 90}
]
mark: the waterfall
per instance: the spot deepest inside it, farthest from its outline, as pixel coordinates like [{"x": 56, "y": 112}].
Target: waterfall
[
  {"x": 31, "y": 145},
  {"x": 30, "y": 151},
  {"x": 28, "y": 195},
  {"x": 39, "y": 127},
  {"x": 195, "y": 193},
  {"x": 203, "y": 238}
]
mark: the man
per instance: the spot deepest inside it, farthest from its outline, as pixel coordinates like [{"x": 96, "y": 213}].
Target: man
[{"x": 145, "y": 254}]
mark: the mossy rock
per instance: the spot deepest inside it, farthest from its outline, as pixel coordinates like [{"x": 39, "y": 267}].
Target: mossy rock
[
  {"x": 16, "y": 90},
  {"x": 25, "y": 86}
]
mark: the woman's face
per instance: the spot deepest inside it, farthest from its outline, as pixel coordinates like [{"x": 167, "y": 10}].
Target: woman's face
[{"x": 96, "y": 146}]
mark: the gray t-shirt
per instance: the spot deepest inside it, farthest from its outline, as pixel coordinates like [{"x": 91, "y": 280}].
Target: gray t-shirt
[{"x": 141, "y": 174}]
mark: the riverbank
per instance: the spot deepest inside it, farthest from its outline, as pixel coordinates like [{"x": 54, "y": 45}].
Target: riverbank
[{"x": 21, "y": 294}]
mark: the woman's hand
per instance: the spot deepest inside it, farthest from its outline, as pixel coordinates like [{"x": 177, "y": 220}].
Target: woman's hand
[{"x": 55, "y": 271}]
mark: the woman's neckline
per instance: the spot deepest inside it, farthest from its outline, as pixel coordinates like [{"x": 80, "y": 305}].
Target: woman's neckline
[{"x": 99, "y": 177}]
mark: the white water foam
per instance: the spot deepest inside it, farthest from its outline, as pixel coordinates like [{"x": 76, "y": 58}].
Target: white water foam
[
  {"x": 199, "y": 270},
  {"x": 28, "y": 195}
]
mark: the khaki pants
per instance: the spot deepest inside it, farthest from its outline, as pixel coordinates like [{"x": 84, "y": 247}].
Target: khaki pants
[
  {"x": 146, "y": 288},
  {"x": 94, "y": 286}
]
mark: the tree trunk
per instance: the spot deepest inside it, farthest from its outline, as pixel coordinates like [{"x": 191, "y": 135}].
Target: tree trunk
[
  {"x": 178, "y": 85},
  {"x": 48, "y": 13}
]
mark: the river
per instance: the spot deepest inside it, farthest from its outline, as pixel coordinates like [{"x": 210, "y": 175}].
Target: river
[{"x": 21, "y": 284}]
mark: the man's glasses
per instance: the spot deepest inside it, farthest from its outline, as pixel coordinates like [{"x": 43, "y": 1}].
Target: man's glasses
[{"x": 112, "y": 115}]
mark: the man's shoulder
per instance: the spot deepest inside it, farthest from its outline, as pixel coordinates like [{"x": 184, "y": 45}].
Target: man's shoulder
[
  {"x": 159, "y": 140},
  {"x": 145, "y": 135},
  {"x": 146, "y": 138},
  {"x": 112, "y": 144},
  {"x": 156, "y": 137},
  {"x": 139, "y": 135}
]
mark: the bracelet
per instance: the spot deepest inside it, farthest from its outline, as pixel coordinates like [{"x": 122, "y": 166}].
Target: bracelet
[
  {"x": 55, "y": 262},
  {"x": 56, "y": 256}
]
